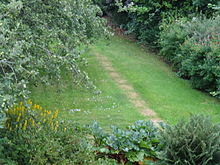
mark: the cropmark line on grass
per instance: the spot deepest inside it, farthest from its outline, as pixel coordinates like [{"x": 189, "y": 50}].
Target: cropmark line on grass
[{"x": 128, "y": 89}]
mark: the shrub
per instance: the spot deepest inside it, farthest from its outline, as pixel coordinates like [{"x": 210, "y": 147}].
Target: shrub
[
  {"x": 172, "y": 36},
  {"x": 145, "y": 16},
  {"x": 194, "y": 142},
  {"x": 193, "y": 48},
  {"x": 66, "y": 145},
  {"x": 28, "y": 116},
  {"x": 200, "y": 62},
  {"x": 133, "y": 144},
  {"x": 33, "y": 135}
]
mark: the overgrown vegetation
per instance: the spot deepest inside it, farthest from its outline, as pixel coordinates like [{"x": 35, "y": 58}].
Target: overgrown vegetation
[
  {"x": 194, "y": 142},
  {"x": 39, "y": 38},
  {"x": 144, "y": 17},
  {"x": 181, "y": 31},
  {"x": 193, "y": 48},
  {"x": 133, "y": 145},
  {"x": 33, "y": 135}
]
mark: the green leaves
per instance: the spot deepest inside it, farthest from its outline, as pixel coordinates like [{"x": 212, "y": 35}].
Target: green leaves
[
  {"x": 192, "y": 46},
  {"x": 194, "y": 142},
  {"x": 39, "y": 38},
  {"x": 128, "y": 145}
]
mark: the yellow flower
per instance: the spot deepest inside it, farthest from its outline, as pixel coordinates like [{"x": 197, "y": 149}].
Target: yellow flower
[
  {"x": 25, "y": 125},
  {"x": 18, "y": 119},
  {"x": 29, "y": 102},
  {"x": 34, "y": 106},
  {"x": 22, "y": 108},
  {"x": 55, "y": 114},
  {"x": 33, "y": 123}
]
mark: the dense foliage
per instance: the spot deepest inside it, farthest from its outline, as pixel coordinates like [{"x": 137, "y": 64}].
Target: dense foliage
[
  {"x": 28, "y": 115},
  {"x": 33, "y": 135},
  {"x": 193, "y": 47},
  {"x": 145, "y": 16},
  {"x": 185, "y": 32},
  {"x": 194, "y": 142},
  {"x": 110, "y": 8},
  {"x": 191, "y": 143},
  {"x": 131, "y": 145},
  {"x": 39, "y": 38}
]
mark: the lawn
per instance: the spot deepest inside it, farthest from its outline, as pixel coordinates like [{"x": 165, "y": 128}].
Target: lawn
[
  {"x": 110, "y": 107},
  {"x": 171, "y": 97}
]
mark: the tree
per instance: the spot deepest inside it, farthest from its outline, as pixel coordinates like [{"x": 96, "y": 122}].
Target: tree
[{"x": 39, "y": 38}]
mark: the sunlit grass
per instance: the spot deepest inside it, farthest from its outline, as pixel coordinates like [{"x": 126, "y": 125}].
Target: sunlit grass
[
  {"x": 110, "y": 107},
  {"x": 171, "y": 97}
]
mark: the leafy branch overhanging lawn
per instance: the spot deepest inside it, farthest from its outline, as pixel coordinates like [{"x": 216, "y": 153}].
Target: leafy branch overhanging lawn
[{"x": 171, "y": 97}]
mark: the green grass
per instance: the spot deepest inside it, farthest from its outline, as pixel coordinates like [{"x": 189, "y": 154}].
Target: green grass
[
  {"x": 111, "y": 107},
  {"x": 171, "y": 97}
]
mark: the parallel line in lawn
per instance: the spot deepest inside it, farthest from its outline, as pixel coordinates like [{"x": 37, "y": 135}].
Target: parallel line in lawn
[{"x": 128, "y": 89}]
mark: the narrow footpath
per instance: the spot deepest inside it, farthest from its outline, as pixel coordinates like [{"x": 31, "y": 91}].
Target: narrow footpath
[{"x": 128, "y": 89}]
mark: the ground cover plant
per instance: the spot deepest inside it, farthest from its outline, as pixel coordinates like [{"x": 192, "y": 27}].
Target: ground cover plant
[
  {"x": 38, "y": 38},
  {"x": 193, "y": 142},
  {"x": 132, "y": 145}
]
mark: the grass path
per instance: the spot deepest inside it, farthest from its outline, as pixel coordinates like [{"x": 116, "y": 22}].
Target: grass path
[
  {"x": 128, "y": 89},
  {"x": 170, "y": 97},
  {"x": 144, "y": 74}
]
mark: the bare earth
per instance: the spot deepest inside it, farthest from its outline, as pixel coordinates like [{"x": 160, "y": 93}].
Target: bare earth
[{"x": 128, "y": 89}]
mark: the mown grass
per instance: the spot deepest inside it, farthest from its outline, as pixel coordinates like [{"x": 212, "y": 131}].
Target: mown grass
[
  {"x": 80, "y": 105},
  {"x": 171, "y": 97}
]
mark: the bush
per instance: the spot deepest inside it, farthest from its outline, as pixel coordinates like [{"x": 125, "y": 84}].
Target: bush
[
  {"x": 30, "y": 116},
  {"x": 33, "y": 135},
  {"x": 45, "y": 146},
  {"x": 145, "y": 16},
  {"x": 193, "y": 48},
  {"x": 131, "y": 145},
  {"x": 172, "y": 36},
  {"x": 194, "y": 142}
]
